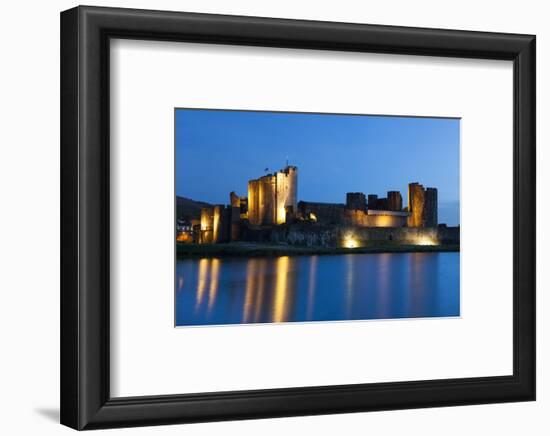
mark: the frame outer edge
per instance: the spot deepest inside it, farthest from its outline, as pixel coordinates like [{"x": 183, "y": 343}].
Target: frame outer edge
[
  {"x": 93, "y": 212},
  {"x": 85, "y": 401},
  {"x": 525, "y": 282},
  {"x": 69, "y": 305}
]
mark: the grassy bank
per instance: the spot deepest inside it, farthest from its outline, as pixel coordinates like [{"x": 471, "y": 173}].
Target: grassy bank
[{"x": 257, "y": 249}]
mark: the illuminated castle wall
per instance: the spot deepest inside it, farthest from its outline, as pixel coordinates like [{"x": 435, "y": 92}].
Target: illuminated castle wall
[
  {"x": 210, "y": 224},
  {"x": 272, "y": 197},
  {"x": 422, "y": 206},
  {"x": 272, "y": 201},
  {"x": 219, "y": 224},
  {"x": 352, "y": 214}
]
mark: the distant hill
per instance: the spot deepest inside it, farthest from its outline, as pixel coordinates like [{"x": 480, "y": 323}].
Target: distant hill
[{"x": 189, "y": 209}]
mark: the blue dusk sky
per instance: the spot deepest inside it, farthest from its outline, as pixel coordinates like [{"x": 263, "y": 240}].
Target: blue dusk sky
[{"x": 218, "y": 151}]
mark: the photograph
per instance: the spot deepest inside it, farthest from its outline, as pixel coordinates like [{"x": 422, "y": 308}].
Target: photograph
[{"x": 315, "y": 217}]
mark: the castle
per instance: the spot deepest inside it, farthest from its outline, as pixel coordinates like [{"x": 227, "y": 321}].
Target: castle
[{"x": 272, "y": 202}]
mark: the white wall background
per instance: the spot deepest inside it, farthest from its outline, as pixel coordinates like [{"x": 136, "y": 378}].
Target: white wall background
[{"x": 29, "y": 218}]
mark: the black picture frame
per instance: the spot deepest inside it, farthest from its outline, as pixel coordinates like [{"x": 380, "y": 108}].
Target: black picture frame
[{"x": 85, "y": 399}]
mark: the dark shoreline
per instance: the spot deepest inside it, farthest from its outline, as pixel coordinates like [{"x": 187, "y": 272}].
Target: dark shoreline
[{"x": 243, "y": 249}]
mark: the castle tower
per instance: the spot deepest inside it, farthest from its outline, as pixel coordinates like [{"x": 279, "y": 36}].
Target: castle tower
[
  {"x": 430, "y": 207},
  {"x": 416, "y": 205},
  {"x": 372, "y": 200},
  {"x": 234, "y": 199},
  {"x": 273, "y": 196},
  {"x": 262, "y": 200},
  {"x": 212, "y": 225},
  {"x": 287, "y": 193},
  {"x": 356, "y": 201},
  {"x": 234, "y": 216},
  {"x": 422, "y": 206},
  {"x": 395, "y": 201}
]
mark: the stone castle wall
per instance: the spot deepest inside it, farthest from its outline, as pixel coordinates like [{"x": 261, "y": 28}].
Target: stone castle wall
[
  {"x": 209, "y": 227},
  {"x": 340, "y": 214},
  {"x": 359, "y": 218},
  {"x": 219, "y": 224},
  {"x": 271, "y": 213},
  {"x": 324, "y": 213},
  {"x": 317, "y": 235}
]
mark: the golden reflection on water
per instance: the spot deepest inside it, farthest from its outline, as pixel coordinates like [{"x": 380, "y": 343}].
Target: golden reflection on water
[
  {"x": 280, "y": 306},
  {"x": 384, "y": 290},
  {"x": 201, "y": 285},
  {"x": 214, "y": 278},
  {"x": 350, "y": 274},
  {"x": 418, "y": 281},
  {"x": 261, "y": 288},
  {"x": 311, "y": 286},
  {"x": 209, "y": 271},
  {"x": 250, "y": 288},
  {"x": 255, "y": 288}
]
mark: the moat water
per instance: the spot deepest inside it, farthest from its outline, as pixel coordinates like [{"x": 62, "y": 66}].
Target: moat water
[{"x": 317, "y": 288}]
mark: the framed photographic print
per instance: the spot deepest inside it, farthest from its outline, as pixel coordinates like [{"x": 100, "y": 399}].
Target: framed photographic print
[
  {"x": 287, "y": 238},
  {"x": 266, "y": 217}
]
